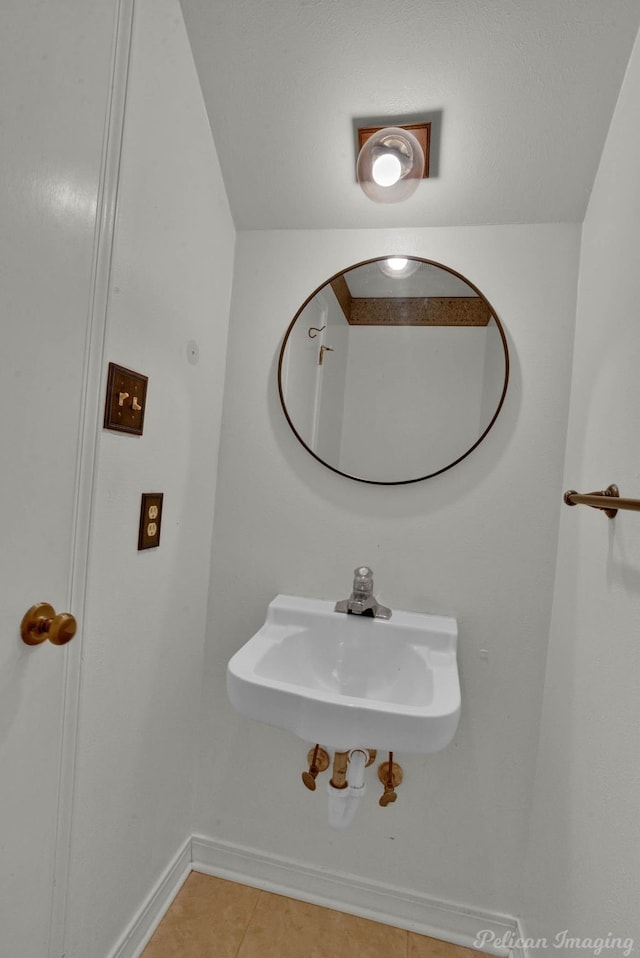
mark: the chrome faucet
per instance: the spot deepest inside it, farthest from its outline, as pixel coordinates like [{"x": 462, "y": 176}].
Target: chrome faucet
[{"x": 362, "y": 600}]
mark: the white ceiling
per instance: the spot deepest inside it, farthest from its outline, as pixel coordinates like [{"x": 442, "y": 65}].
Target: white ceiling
[{"x": 521, "y": 93}]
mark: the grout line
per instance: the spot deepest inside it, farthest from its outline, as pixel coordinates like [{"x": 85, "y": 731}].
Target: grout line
[{"x": 250, "y": 919}]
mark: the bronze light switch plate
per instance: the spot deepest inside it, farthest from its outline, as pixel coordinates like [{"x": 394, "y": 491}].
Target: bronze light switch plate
[
  {"x": 150, "y": 518},
  {"x": 126, "y": 400}
]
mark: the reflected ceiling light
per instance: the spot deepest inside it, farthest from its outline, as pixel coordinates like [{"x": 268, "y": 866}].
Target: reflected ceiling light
[
  {"x": 397, "y": 263},
  {"x": 392, "y": 161},
  {"x": 398, "y": 266}
]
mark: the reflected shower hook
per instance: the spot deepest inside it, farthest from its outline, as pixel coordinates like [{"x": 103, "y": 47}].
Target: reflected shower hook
[{"x": 313, "y": 331}]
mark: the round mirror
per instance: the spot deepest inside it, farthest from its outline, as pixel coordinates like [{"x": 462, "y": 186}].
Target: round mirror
[{"x": 393, "y": 370}]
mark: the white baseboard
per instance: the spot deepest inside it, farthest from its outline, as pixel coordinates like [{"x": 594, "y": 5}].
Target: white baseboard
[
  {"x": 526, "y": 947},
  {"x": 137, "y": 936},
  {"x": 400, "y": 907},
  {"x": 403, "y": 908},
  {"x": 519, "y": 951}
]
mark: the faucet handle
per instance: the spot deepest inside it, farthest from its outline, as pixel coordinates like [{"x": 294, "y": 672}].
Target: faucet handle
[
  {"x": 362, "y": 600},
  {"x": 363, "y": 580},
  {"x": 318, "y": 761},
  {"x": 390, "y": 775},
  {"x": 388, "y": 797}
]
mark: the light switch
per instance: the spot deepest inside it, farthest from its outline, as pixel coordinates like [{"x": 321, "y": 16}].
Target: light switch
[
  {"x": 150, "y": 518},
  {"x": 126, "y": 398}
]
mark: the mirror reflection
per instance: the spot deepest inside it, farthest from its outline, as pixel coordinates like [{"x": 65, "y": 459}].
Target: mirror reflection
[{"x": 393, "y": 370}]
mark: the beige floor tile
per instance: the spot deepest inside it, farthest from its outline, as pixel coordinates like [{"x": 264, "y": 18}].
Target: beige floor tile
[
  {"x": 212, "y": 918},
  {"x": 284, "y": 928},
  {"x": 207, "y": 919},
  {"x": 423, "y": 947}
]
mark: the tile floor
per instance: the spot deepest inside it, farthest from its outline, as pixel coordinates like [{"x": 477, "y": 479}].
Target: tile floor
[{"x": 212, "y": 918}]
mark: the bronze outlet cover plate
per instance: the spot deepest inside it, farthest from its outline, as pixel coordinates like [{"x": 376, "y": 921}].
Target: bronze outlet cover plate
[{"x": 150, "y": 519}]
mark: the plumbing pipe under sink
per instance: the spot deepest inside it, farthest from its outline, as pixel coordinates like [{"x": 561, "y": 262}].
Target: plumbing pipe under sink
[
  {"x": 343, "y": 802},
  {"x": 358, "y": 758}
]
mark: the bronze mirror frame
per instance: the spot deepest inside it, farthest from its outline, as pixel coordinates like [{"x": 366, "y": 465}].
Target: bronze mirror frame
[{"x": 450, "y": 465}]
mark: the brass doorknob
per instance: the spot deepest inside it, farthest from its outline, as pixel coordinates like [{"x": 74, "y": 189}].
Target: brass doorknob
[{"x": 41, "y": 623}]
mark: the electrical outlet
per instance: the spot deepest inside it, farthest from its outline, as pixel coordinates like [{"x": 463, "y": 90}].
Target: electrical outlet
[{"x": 150, "y": 519}]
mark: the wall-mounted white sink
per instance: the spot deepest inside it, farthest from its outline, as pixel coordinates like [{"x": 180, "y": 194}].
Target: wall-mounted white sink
[{"x": 349, "y": 681}]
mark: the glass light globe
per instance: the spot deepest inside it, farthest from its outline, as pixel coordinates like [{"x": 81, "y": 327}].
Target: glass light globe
[{"x": 390, "y": 165}]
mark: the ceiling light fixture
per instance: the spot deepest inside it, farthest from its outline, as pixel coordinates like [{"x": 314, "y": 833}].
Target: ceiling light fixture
[{"x": 392, "y": 161}]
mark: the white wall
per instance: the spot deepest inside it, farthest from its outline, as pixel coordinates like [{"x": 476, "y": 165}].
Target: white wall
[
  {"x": 300, "y": 372},
  {"x": 314, "y": 391},
  {"x": 583, "y": 868},
  {"x": 402, "y": 382},
  {"x": 493, "y": 376},
  {"x": 332, "y": 380},
  {"x": 478, "y": 543},
  {"x": 146, "y": 613}
]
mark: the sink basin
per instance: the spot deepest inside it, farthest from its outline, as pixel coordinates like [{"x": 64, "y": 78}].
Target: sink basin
[{"x": 348, "y": 681}]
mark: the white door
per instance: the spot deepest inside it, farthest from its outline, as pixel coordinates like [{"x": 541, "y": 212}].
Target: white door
[{"x": 55, "y": 66}]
